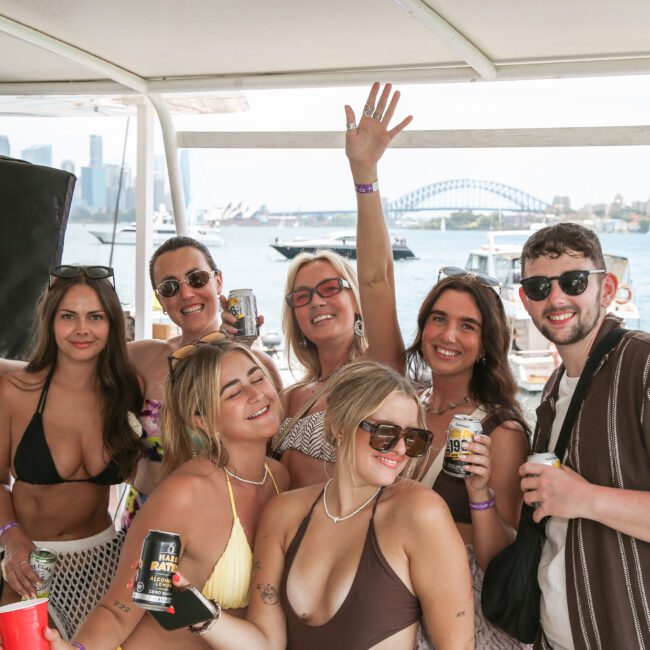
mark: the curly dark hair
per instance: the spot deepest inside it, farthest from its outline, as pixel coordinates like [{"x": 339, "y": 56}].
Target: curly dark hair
[
  {"x": 570, "y": 238},
  {"x": 492, "y": 383}
]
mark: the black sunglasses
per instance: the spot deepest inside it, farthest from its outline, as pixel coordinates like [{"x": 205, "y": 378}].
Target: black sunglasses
[
  {"x": 325, "y": 289},
  {"x": 572, "y": 283},
  {"x": 384, "y": 437},
  {"x": 195, "y": 279},
  {"x": 213, "y": 338},
  {"x": 67, "y": 271},
  {"x": 482, "y": 278}
]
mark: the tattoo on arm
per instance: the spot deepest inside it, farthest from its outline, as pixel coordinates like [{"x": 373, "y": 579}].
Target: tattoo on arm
[
  {"x": 461, "y": 613},
  {"x": 256, "y": 565},
  {"x": 268, "y": 594},
  {"x": 121, "y": 606}
]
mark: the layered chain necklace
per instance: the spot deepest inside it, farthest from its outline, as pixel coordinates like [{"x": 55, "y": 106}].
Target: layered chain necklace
[
  {"x": 245, "y": 480},
  {"x": 440, "y": 411},
  {"x": 322, "y": 380},
  {"x": 356, "y": 512}
]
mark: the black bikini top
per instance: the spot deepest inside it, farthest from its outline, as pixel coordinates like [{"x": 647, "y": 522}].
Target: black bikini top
[{"x": 33, "y": 460}]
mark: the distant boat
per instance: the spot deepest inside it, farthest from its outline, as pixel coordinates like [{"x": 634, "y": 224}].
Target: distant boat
[
  {"x": 208, "y": 235},
  {"x": 342, "y": 243}
]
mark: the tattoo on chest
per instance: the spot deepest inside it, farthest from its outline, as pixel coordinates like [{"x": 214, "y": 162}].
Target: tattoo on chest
[
  {"x": 268, "y": 594},
  {"x": 121, "y": 606}
]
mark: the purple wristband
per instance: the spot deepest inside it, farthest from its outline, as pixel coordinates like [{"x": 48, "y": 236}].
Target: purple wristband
[
  {"x": 483, "y": 505},
  {"x": 366, "y": 188},
  {"x": 76, "y": 644},
  {"x": 6, "y": 527}
]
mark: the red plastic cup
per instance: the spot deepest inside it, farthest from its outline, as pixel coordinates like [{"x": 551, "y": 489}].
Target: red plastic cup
[{"x": 22, "y": 624}]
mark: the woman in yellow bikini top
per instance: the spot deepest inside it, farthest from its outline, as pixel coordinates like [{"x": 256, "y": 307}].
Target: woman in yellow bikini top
[{"x": 221, "y": 409}]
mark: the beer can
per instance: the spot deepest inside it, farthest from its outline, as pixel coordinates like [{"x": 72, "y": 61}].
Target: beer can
[
  {"x": 545, "y": 458},
  {"x": 243, "y": 306},
  {"x": 462, "y": 428},
  {"x": 158, "y": 563},
  {"x": 43, "y": 561}
]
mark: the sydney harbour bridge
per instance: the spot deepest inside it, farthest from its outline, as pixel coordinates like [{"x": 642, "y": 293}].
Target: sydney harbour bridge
[{"x": 455, "y": 195}]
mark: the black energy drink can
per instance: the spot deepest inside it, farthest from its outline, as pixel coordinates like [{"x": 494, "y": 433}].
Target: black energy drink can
[
  {"x": 462, "y": 428},
  {"x": 243, "y": 306},
  {"x": 158, "y": 563}
]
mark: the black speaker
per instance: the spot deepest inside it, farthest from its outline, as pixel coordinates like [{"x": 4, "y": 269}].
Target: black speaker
[{"x": 34, "y": 206}]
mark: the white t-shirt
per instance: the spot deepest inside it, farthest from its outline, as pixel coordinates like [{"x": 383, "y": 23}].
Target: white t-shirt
[{"x": 551, "y": 572}]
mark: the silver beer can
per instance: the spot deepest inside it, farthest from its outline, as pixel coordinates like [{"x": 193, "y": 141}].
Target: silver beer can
[{"x": 243, "y": 306}]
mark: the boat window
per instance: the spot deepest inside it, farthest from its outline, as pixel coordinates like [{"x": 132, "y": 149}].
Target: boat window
[{"x": 476, "y": 263}]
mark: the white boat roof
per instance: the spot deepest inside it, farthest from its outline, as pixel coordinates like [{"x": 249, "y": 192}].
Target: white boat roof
[{"x": 167, "y": 46}]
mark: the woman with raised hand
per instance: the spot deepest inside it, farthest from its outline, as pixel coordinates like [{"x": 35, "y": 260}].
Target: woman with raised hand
[
  {"x": 350, "y": 564},
  {"x": 329, "y": 319},
  {"x": 188, "y": 286},
  {"x": 221, "y": 409},
  {"x": 66, "y": 435},
  {"x": 462, "y": 343}
]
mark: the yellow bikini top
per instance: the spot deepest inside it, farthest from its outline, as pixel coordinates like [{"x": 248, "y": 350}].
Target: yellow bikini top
[{"x": 229, "y": 583}]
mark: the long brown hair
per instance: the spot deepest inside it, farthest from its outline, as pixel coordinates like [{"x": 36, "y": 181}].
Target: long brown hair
[
  {"x": 117, "y": 377},
  {"x": 492, "y": 383}
]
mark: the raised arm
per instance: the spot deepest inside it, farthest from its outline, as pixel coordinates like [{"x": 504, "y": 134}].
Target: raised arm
[{"x": 365, "y": 145}]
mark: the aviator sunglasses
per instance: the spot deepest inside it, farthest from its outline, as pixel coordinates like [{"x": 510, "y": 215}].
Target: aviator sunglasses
[
  {"x": 572, "y": 283},
  {"x": 213, "y": 338},
  {"x": 384, "y": 437},
  {"x": 482, "y": 278},
  {"x": 195, "y": 279},
  {"x": 67, "y": 271},
  {"x": 325, "y": 289}
]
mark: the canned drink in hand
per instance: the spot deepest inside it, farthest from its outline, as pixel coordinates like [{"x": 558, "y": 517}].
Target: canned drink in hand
[
  {"x": 462, "y": 428},
  {"x": 544, "y": 458},
  {"x": 243, "y": 306},
  {"x": 43, "y": 561},
  {"x": 158, "y": 563}
]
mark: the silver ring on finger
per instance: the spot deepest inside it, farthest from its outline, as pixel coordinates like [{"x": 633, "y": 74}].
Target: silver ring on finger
[
  {"x": 377, "y": 116},
  {"x": 350, "y": 126},
  {"x": 368, "y": 110}
]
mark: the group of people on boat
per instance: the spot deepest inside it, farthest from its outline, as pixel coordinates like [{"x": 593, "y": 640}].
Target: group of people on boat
[{"x": 316, "y": 515}]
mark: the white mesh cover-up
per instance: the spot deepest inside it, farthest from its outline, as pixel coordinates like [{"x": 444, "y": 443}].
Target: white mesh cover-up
[{"x": 83, "y": 573}]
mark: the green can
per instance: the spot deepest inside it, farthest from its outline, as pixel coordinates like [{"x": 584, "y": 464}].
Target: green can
[{"x": 43, "y": 561}]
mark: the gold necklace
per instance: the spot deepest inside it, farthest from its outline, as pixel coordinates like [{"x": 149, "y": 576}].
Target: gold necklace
[
  {"x": 440, "y": 411},
  {"x": 322, "y": 380}
]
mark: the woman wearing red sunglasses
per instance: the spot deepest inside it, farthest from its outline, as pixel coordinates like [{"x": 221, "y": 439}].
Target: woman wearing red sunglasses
[{"x": 462, "y": 343}]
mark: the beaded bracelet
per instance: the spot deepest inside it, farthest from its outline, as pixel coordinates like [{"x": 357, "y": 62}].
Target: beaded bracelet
[
  {"x": 6, "y": 527},
  {"x": 200, "y": 628},
  {"x": 483, "y": 505},
  {"x": 366, "y": 188},
  {"x": 76, "y": 644}
]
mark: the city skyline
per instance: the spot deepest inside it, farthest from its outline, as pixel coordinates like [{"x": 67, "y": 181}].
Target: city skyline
[{"x": 319, "y": 179}]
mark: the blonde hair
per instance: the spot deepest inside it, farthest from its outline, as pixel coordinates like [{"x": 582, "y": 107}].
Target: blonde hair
[
  {"x": 191, "y": 413},
  {"x": 299, "y": 346},
  {"x": 357, "y": 392}
]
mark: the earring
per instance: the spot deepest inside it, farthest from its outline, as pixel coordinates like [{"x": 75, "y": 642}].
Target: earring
[
  {"x": 480, "y": 360},
  {"x": 165, "y": 312},
  {"x": 303, "y": 341},
  {"x": 359, "y": 327}
]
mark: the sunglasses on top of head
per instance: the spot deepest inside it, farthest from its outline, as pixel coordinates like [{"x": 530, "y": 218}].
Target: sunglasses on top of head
[
  {"x": 213, "y": 338},
  {"x": 384, "y": 437},
  {"x": 67, "y": 271},
  {"x": 195, "y": 279},
  {"x": 572, "y": 283},
  {"x": 483, "y": 279},
  {"x": 325, "y": 289}
]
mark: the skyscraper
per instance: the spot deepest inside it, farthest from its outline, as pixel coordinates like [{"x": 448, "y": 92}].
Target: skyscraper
[
  {"x": 39, "y": 154},
  {"x": 5, "y": 148},
  {"x": 96, "y": 151},
  {"x": 93, "y": 177}
]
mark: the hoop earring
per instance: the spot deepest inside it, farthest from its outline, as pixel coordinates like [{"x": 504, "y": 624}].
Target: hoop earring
[
  {"x": 359, "y": 327},
  {"x": 165, "y": 312},
  {"x": 303, "y": 341}
]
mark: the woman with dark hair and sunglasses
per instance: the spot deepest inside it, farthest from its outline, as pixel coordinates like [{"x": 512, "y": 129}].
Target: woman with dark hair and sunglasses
[
  {"x": 68, "y": 433},
  {"x": 188, "y": 286},
  {"x": 462, "y": 343},
  {"x": 221, "y": 409},
  {"x": 349, "y": 563},
  {"x": 326, "y": 328}
]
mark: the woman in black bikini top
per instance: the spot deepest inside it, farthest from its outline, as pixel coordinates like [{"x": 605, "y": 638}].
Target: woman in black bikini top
[{"x": 354, "y": 564}]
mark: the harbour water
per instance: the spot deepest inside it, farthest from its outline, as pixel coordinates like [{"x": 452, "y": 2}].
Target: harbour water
[{"x": 247, "y": 260}]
